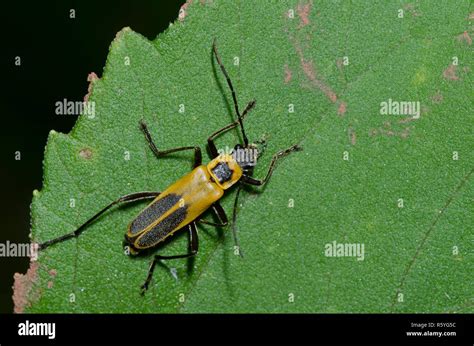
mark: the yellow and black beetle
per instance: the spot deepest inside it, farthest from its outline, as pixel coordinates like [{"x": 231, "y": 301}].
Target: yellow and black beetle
[{"x": 181, "y": 204}]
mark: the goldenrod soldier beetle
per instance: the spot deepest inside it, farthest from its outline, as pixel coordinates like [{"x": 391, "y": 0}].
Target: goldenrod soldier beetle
[{"x": 180, "y": 206}]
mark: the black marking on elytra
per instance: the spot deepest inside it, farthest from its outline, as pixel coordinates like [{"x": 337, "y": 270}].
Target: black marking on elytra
[
  {"x": 153, "y": 212},
  {"x": 222, "y": 172},
  {"x": 161, "y": 230}
]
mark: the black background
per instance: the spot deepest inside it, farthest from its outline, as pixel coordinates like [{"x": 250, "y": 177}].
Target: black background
[
  {"x": 344, "y": 329},
  {"x": 57, "y": 53}
]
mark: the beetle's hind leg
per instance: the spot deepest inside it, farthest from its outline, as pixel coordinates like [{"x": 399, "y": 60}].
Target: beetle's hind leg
[
  {"x": 127, "y": 198},
  {"x": 193, "y": 249},
  {"x": 160, "y": 153}
]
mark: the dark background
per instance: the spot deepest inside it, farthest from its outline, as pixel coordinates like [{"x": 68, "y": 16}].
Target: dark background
[{"x": 57, "y": 53}]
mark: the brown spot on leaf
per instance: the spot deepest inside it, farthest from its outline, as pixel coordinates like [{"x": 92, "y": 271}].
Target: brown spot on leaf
[
  {"x": 288, "y": 74},
  {"x": 22, "y": 286},
  {"x": 303, "y": 11},
  {"x": 302, "y": 41},
  {"x": 450, "y": 73},
  {"x": 53, "y": 272},
  {"x": 464, "y": 37},
  {"x": 91, "y": 78},
  {"x": 342, "y": 108},
  {"x": 310, "y": 72},
  {"x": 352, "y": 135},
  {"x": 183, "y": 10},
  {"x": 85, "y": 153}
]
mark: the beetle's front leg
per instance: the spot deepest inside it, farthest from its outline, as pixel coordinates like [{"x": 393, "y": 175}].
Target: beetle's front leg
[{"x": 260, "y": 182}]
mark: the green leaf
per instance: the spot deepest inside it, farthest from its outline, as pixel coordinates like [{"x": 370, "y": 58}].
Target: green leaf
[{"x": 334, "y": 63}]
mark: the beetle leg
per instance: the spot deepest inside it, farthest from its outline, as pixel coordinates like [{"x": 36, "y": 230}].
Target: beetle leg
[
  {"x": 260, "y": 182},
  {"x": 221, "y": 215},
  {"x": 193, "y": 249},
  {"x": 160, "y": 153},
  {"x": 224, "y": 221},
  {"x": 127, "y": 198},
  {"x": 210, "y": 140}
]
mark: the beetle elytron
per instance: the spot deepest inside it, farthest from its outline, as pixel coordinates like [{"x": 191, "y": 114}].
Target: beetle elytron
[{"x": 180, "y": 206}]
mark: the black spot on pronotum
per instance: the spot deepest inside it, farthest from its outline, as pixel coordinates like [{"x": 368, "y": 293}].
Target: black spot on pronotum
[
  {"x": 160, "y": 231},
  {"x": 153, "y": 212},
  {"x": 222, "y": 172}
]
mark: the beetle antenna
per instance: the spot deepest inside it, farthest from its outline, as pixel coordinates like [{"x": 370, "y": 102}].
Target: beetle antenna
[{"x": 234, "y": 97}]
